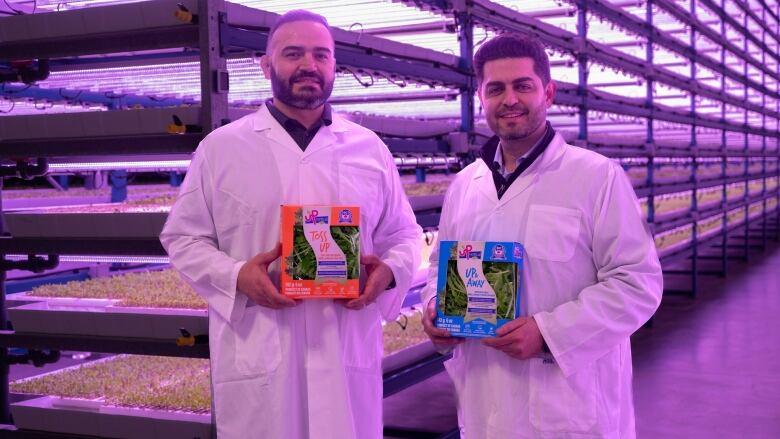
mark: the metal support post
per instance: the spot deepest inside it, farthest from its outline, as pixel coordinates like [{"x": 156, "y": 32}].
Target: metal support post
[
  {"x": 175, "y": 179},
  {"x": 419, "y": 175},
  {"x": 582, "y": 69},
  {"x": 746, "y": 251},
  {"x": 694, "y": 163},
  {"x": 465, "y": 24},
  {"x": 63, "y": 181},
  {"x": 650, "y": 135},
  {"x": 118, "y": 181},
  {"x": 764, "y": 217},
  {"x": 214, "y": 80},
  {"x": 5, "y": 407},
  {"x": 724, "y": 154}
]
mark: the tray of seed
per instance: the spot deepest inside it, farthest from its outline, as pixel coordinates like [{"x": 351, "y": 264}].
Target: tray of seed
[
  {"x": 131, "y": 219},
  {"x": 152, "y": 304},
  {"x": 150, "y": 397},
  {"x": 427, "y": 195},
  {"x": 126, "y": 396},
  {"x": 479, "y": 286},
  {"x": 404, "y": 340},
  {"x": 80, "y": 196}
]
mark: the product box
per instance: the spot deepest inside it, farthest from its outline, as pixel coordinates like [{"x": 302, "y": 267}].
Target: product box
[
  {"x": 479, "y": 286},
  {"x": 320, "y": 252}
]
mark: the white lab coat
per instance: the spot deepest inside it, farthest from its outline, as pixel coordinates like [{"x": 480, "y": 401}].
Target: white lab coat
[
  {"x": 591, "y": 278},
  {"x": 313, "y": 370}
]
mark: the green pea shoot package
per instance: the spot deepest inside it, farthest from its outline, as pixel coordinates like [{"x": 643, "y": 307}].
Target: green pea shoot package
[
  {"x": 479, "y": 286},
  {"x": 320, "y": 252}
]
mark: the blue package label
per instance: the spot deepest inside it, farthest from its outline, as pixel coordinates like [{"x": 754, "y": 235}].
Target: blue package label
[{"x": 479, "y": 286}]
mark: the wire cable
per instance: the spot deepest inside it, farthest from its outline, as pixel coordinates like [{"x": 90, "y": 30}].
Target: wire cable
[
  {"x": 18, "y": 91},
  {"x": 15, "y": 11},
  {"x": 360, "y": 81},
  {"x": 70, "y": 98},
  {"x": 20, "y": 12},
  {"x": 13, "y": 104}
]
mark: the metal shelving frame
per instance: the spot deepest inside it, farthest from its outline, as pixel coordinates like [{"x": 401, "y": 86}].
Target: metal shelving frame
[
  {"x": 234, "y": 31},
  {"x": 493, "y": 16}
]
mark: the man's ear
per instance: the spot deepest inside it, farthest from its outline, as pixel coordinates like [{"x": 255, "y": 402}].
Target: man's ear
[
  {"x": 479, "y": 95},
  {"x": 549, "y": 92},
  {"x": 265, "y": 65}
]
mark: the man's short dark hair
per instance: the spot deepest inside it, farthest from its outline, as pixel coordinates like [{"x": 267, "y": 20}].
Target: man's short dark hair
[
  {"x": 510, "y": 45},
  {"x": 298, "y": 15}
]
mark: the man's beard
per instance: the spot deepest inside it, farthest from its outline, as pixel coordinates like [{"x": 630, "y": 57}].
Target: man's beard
[
  {"x": 283, "y": 90},
  {"x": 533, "y": 120}
]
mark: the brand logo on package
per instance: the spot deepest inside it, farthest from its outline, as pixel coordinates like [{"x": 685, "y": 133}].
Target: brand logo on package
[
  {"x": 345, "y": 216},
  {"x": 498, "y": 252},
  {"x": 518, "y": 252},
  {"x": 315, "y": 218},
  {"x": 466, "y": 253}
]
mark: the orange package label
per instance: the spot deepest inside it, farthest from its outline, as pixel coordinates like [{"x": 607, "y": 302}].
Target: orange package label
[{"x": 320, "y": 252}]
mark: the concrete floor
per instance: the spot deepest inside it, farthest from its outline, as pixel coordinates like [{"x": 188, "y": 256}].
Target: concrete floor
[
  {"x": 708, "y": 367},
  {"x": 427, "y": 407}
]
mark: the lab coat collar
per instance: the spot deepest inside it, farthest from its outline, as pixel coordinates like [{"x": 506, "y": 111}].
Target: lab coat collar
[
  {"x": 484, "y": 177},
  {"x": 263, "y": 121},
  {"x": 490, "y": 151}
]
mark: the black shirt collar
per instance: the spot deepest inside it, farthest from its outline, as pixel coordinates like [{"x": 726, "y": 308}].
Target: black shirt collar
[
  {"x": 488, "y": 151},
  {"x": 289, "y": 123},
  {"x": 488, "y": 154},
  {"x": 295, "y": 129}
]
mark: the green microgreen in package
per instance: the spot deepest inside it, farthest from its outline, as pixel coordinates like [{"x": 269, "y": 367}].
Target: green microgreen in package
[{"x": 302, "y": 263}]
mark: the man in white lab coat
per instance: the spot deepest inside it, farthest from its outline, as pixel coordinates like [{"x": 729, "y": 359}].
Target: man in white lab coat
[
  {"x": 281, "y": 368},
  {"x": 591, "y": 274}
]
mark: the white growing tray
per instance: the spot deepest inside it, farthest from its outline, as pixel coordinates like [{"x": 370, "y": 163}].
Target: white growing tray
[
  {"x": 425, "y": 202},
  {"x": 101, "y": 317},
  {"x": 54, "y": 414},
  {"x": 31, "y": 224},
  {"x": 93, "y": 417},
  {"x": 407, "y": 356}
]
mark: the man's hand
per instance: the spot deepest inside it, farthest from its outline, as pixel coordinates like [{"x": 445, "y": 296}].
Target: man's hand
[
  {"x": 519, "y": 339},
  {"x": 379, "y": 278},
  {"x": 253, "y": 281},
  {"x": 441, "y": 338}
]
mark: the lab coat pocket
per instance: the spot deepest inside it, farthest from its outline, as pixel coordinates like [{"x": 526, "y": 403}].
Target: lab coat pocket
[
  {"x": 257, "y": 347},
  {"x": 560, "y": 404},
  {"x": 361, "y": 335},
  {"x": 362, "y": 187},
  {"x": 552, "y": 232}
]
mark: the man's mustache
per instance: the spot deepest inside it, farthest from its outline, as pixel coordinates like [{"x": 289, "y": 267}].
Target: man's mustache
[
  {"x": 303, "y": 75},
  {"x": 521, "y": 110}
]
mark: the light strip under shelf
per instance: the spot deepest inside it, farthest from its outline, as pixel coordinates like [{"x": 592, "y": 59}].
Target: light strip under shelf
[
  {"x": 182, "y": 165},
  {"x": 163, "y": 165},
  {"x": 104, "y": 259}
]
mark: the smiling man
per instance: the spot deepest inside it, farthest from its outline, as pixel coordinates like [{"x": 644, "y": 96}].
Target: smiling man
[
  {"x": 281, "y": 368},
  {"x": 591, "y": 276}
]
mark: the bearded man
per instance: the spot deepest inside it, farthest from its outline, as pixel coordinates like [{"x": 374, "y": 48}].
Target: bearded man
[{"x": 282, "y": 368}]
